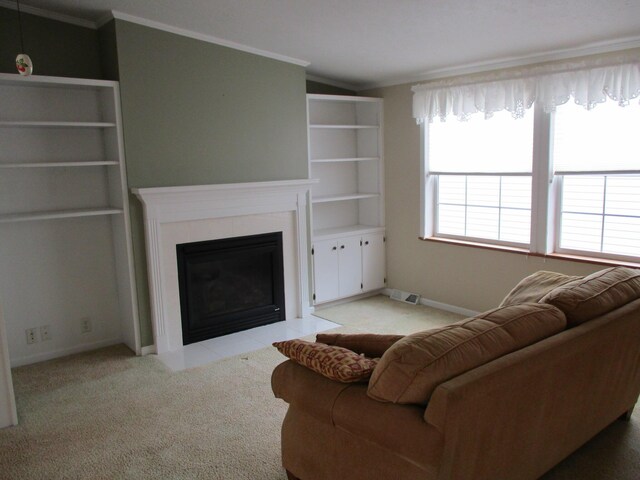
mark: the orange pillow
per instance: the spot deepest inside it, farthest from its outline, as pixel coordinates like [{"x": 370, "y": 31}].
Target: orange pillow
[{"x": 333, "y": 362}]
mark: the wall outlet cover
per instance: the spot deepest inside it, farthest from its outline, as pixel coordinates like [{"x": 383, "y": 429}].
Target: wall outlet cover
[
  {"x": 32, "y": 335},
  {"x": 45, "y": 333}
]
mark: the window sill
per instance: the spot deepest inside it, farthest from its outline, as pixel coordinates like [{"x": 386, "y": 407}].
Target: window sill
[{"x": 522, "y": 251}]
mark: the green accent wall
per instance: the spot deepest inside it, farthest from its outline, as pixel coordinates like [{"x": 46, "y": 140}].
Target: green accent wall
[
  {"x": 56, "y": 48},
  {"x": 197, "y": 113}
]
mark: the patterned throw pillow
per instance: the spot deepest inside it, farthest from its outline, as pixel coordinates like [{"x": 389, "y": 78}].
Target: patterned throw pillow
[{"x": 333, "y": 362}]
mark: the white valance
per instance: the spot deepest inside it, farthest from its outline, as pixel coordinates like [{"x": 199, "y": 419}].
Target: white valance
[{"x": 589, "y": 82}]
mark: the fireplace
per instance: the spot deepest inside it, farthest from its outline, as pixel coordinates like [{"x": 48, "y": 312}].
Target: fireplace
[
  {"x": 199, "y": 213},
  {"x": 229, "y": 285}
]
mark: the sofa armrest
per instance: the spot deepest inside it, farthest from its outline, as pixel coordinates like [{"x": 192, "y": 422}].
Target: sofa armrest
[
  {"x": 370, "y": 344},
  {"x": 518, "y": 416},
  {"x": 301, "y": 387}
]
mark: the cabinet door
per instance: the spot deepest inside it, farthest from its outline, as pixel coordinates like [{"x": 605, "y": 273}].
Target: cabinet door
[
  {"x": 373, "y": 261},
  {"x": 350, "y": 266},
  {"x": 325, "y": 271}
]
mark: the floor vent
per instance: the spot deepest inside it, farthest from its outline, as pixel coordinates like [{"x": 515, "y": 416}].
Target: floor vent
[{"x": 412, "y": 298}]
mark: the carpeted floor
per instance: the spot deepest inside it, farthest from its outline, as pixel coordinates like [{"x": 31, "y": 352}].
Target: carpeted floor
[{"x": 110, "y": 415}]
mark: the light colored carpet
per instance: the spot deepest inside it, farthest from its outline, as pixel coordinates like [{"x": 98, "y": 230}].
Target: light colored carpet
[{"x": 110, "y": 415}]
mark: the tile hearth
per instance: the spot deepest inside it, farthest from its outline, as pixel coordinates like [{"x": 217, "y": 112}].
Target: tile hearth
[{"x": 207, "y": 351}]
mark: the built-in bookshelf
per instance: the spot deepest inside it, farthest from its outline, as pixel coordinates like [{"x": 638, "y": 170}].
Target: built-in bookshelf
[
  {"x": 346, "y": 157},
  {"x": 65, "y": 254}
]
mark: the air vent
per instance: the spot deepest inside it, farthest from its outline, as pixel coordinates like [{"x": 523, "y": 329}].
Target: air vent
[{"x": 406, "y": 297}]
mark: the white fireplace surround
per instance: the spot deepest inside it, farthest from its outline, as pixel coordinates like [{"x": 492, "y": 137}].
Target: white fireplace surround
[{"x": 174, "y": 215}]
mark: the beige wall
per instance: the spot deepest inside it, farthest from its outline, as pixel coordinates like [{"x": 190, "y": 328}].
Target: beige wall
[{"x": 466, "y": 277}]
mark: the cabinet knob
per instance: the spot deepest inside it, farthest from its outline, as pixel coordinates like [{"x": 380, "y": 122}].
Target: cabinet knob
[
  {"x": 334, "y": 248},
  {"x": 367, "y": 242},
  {"x": 342, "y": 247}
]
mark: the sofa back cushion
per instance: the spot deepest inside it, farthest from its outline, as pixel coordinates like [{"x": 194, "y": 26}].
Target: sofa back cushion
[
  {"x": 412, "y": 368},
  {"x": 599, "y": 293},
  {"x": 531, "y": 289}
]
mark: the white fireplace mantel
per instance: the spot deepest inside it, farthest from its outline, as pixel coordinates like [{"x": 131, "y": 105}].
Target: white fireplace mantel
[{"x": 169, "y": 216}]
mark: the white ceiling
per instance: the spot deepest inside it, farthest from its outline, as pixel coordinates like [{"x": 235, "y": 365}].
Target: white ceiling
[{"x": 381, "y": 42}]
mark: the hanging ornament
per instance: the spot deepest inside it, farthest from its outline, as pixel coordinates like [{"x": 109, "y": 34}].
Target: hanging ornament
[
  {"x": 24, "y": 64},
  {"x": 23, "y": 61}
]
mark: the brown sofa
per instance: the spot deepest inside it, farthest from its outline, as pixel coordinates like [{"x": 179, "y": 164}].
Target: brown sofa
[{"x": 513, "y": 417}]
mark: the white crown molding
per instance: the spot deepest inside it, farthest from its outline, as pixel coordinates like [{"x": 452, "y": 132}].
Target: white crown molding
[
  {"x": 60, "y": 17},
  {"x": 333, "y": 83},
  {"x": 203, "y": 37},
  {"x": 510, "y": 62}
]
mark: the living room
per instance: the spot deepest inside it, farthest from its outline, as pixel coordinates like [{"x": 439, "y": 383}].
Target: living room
[{"x": 197, "y": 110}]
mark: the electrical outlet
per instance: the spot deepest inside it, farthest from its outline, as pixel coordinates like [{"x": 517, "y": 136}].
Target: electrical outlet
[
  {"x": 85, "y": 325},
  {"x": 45, "y": 334},
  {"x": 32, "y": 335}
]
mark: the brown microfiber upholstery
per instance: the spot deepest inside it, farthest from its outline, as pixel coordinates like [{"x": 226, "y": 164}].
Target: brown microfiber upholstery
[
  {"x": 532, "y": 288},
  {"x": 413, "y": 367},
  {"x": 516, "y": 417},
  {"x": 596, "y": 294},
  {"x": 370, "y": 344},
  {"x": 300, "y": 386},
  {"x": 348, "y": 428}
]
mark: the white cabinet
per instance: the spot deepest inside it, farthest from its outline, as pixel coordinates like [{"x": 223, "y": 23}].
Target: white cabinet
[
  {"x": 346, "y": 157},
  {"x": 373, "y": 262},
  {"x": 65, "y": 253},
  {"x": 347, "y": 266}
]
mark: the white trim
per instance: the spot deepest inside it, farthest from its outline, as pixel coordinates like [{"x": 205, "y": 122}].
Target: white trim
[
  {"x": 148, "y": 350},
  {"x": 8, "y": 413},
  {"x": 60, "y": 17},
  {"x": 41, "y": 357},
  {"x": 510, "y": 62},
  {"x": 164, "y": 205},
  {"x": 205, "y": 38},
  {"x": 439, "y": 305},
  {"x": 541, "y": 176},
  {"x": 341, "y": 301},
  {"x": 333, "y": 83},
  {"x": 44, "y": 80}
]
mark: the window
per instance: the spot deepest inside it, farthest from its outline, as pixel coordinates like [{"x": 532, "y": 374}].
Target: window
[
  {"x": 580, "y": 196},
  {"x": 596, "y": 160},
  {"x": 482, "y": 175}
]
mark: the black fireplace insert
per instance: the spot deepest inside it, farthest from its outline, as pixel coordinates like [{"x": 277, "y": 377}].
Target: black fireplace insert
[{"x": 230, "y": 285}]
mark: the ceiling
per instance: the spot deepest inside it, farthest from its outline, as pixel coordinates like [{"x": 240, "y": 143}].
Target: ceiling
[{"x": 362, "y": 43}]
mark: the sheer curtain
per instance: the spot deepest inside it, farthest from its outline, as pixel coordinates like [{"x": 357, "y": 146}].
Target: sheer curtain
[{"x": 589, "y": 81}]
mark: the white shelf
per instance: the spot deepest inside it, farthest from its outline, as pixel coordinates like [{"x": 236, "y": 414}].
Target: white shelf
[
  {"x": 48, "y": 124},
  {"x": 56, "y": 164},
  {"x": 62, "y": 157},
  {"x": 357, "y": 127},
  {"x": 336, "y": 232},
  {"x": 334, "y": 160},
  {"x": 82, "y": 212},
  {"x": 347, "y": 204},
  {"x": 341, "y": 198}
]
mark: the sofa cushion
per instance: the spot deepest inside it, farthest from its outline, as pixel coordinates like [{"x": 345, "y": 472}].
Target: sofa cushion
[
  {"x": 532, "y": 288},
  {"x": 333, "y": 362},
  {"x": 369, "y": 344},
  {"x": 596, "y": 294},
  {"x": 413, "y": 367}
]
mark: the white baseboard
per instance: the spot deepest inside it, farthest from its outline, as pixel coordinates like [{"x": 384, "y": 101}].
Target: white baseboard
[
  {"x": 148, "y": 350},
  {"x": 439, "y": 305},
  {"x": 340, "y": 301},
  {"x": 63, "y": 352}
]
